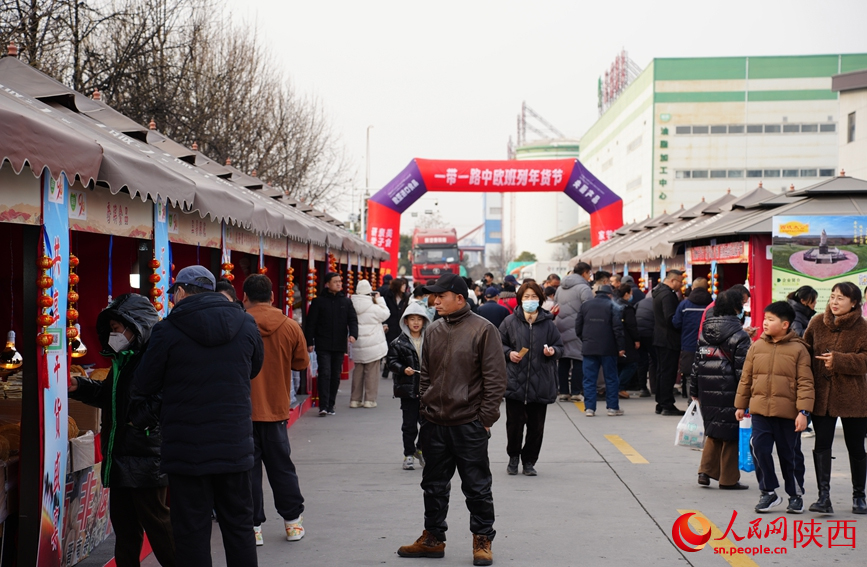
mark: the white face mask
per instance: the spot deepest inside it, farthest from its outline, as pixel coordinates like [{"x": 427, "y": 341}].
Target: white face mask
[{"x": 118, "y": 342}]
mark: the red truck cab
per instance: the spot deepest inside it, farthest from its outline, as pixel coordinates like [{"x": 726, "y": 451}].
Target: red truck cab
[{"x": 434, "y": 253}]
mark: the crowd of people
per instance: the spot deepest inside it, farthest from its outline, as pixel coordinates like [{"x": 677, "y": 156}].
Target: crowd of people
[{"x": 455, "y": 350}]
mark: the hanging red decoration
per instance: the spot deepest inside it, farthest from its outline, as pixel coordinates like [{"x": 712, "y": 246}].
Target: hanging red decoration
[
  {"x": 45, "y": 301},
  {"x": 71, "y": 333},
  {"x": 71, "y": 311},
  {"x": 71, "y": 315},
  {"x": 154, "y": 278},
  {"x": 44, "y": 282},
  {"x": 45, "y": 263},
  {"x": 44, "y": 339},
  {"x": 73, "y": 279},
  {"x": 154, "y": 264},
  {"x": 263, "y": 270}
]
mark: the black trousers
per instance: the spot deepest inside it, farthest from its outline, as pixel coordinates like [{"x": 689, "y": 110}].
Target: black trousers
[
  {"x": 519, "y": 414},
  {"x": 779, "y": 431},
  {"x": 271, "y": 440},
  {"x": 135, "y": 511},
  {"x": 330, "y": 364},
  {"x": 193, "y": 498},
  {"x": 570, "y": 367},
  {"x": 409, "y": 407},
  {"x": 854, "y": 430},
  {"x": 667, "y": 361},
  {"x": 647, "y": 364},
  {"x": 465, "y": 448},
  {"x": 686, "y": 361}
]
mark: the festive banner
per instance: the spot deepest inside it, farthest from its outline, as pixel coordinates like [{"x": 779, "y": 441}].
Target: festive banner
[
  {"x": 274, "y": 247},
  {"x": 192, "y": 229},
  {"x": 241, "y": 240},
  {"x": 161, "y": 255},
  {"x": 422, "y": 175},
  {"x": 22, "y": 197},
  {"x": 53, "y": 373},
  {"x": 85, "y": 523},
  {"x": 103, "y": 213}
]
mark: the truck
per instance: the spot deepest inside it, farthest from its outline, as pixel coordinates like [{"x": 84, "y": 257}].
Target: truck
[{"x": 434, "y": 253}]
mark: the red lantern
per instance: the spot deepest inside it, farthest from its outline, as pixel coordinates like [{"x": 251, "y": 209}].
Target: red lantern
[
  {"x": 44, "y": 339},
  {"x": 158, "y": 306},
  {"x": 45, "y": 301},
  {"x": 71, "y": 332},
  {"x": 44, "y": 282},
  {"x": 230, "y": 277},
  {"x": 45, "y": 320},
  {"x": 72, "y": 314},
  {"x": 72, "y": 296},
  {"x": 154, "y": 264},
  {"x": 154, "y": 278},
  {"x": 156, "y": 292},
  {"x": 73, "y": 261},
  {"x": 263, "y": 270},
  {"x": 73, "y": 279},
  {"x": 45, "y": 263}
]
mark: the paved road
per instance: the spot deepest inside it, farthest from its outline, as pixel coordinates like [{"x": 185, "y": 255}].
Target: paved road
[{"x": 590, "y": 505}]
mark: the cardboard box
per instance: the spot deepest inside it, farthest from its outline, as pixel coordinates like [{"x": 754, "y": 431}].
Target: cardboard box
[{"x": 85, "y": 416}]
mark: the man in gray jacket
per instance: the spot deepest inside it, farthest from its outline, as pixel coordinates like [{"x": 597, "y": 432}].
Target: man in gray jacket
[{"x": 574, "y": 290}]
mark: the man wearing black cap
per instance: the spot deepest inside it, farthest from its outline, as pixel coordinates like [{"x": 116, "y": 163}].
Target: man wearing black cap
[
  {"x": 463, "y": 380},
  {"x": 330, "y": 319},
  {"x": 491, "y": 310},
  {"x": 201, "y": 358}
]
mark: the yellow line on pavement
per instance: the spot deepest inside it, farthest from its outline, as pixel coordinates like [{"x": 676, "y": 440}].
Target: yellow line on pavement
[
  {"x": 740, "y": 560},
  {"x": 627, "y": 450},
  {"x": 580, "y": 405}
]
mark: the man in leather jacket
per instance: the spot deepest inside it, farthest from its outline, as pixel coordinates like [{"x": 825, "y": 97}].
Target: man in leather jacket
[{"x": 463, "y": 380}]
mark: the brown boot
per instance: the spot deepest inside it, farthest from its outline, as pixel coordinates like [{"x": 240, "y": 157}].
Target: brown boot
[
  {"x": 426, "y": 546},
  {"x": 482, "y": 554}
]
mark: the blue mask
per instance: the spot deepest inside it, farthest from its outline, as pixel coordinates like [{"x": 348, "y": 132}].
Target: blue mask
[
  {"x": 741, "y": 315},
  {"x": 530, "y": 306}
]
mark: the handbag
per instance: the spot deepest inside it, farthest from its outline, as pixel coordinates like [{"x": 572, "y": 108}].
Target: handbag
[
  {"x": 690, "y": 428},
  {"x": 745, "y": 453}
]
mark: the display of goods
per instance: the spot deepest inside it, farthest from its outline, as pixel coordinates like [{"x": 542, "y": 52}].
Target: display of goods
[{"x": 72, "y": 429}]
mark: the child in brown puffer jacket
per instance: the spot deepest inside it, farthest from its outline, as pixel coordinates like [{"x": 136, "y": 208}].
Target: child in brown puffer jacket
[{"x": 777, "y": 387}]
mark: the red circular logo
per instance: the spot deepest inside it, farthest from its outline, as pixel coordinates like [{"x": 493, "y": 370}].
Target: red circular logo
[{"x": 685, "y": 538}]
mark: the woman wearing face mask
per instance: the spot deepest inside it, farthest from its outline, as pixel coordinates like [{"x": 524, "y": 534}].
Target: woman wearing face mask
[
  {"x": 532, "y": 377},
  {"x": 131, "y": 456},
  {"x": 838, "y": 340}
]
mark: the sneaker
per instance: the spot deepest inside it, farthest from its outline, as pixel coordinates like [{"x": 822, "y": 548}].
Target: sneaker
[
  {"x": 355, "y": 404},
  {"x": 257, "y": 530},
  {"x": 796, "y": 505},
  {"x": 768, "y": 501},
  {"x": 408, "y": 464},
  {"x": 482, "y": 554},
  {"x": 645, "y": 393},
  {"x": 512, "y": 467},
  {"x": 615, "y": 412},
  {"x": 623, "y": 394},
  {"x": 563, "y": 398},
  {"x": 294, "y": 530},
  {"x": 577, "y": 398},
  {"x": 323, "y": 412},
  {"x": 590, "y": 413},
  {"x": 425, "y": 546},
  {"x": 369, "y": 404},
  {"x": 419, "y": 457},
  {"x": 808, "y": 433},
  {"x": 329, "y": 412}
]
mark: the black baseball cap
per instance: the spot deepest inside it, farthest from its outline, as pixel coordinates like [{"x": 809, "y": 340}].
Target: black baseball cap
[{"x": 449, "y": 282}]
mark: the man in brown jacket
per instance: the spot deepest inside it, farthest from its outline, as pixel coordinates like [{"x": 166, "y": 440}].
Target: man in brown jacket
[
  {"x": 463, "y": 380},
  {"x": 777, "y": 387},
  {"x": 285, "y": 350}
]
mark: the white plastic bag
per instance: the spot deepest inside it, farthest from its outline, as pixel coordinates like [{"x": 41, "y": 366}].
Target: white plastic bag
[{"x": 690, "y": 429}]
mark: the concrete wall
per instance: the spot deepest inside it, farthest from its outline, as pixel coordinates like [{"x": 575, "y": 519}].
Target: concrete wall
[{"x": 853, "y": 155}]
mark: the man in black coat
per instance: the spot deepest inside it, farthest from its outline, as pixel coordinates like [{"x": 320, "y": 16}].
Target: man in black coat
[
  {"x": 491, "y": 310},
  {"x": 600, "y": 328},
  {"x": 202, "y": 358},
  {"x": 666, "y": 341},
  {"x": 330, "y": 319},
  {"x": 637, "y": 294}
]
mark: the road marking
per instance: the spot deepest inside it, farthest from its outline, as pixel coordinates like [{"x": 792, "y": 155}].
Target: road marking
[
  {"x": 580, "y": 405},
  {"x": 627, "y": 450},
  {"x": 740, "y": 560}
]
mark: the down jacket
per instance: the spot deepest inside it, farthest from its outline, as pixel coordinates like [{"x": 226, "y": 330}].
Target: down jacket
[
  {"x": 665, "y": 304},
  {"x": 688, "y": 317},
  {"x": 600, "y": 326},
  {"x": 402, "y": 354},
  {"x": 716, "y": 372},
  {"x": 644, "y": 317},
  {"x": 131, "y": 455},
  {"x": 776, "y": 380},
  {"x": 202, "y": 358},
  {"x": 533, "y": 379},
  {"x": 803, "y": 314},
  {"x": 630, "y": 331},
  {"x": 842, "y": 390},
  {"x": 573, "y": 291},
  {"x": 370, "y": 345}
]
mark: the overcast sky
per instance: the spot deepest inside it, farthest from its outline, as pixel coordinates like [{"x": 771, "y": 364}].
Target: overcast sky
[{"x": 446, "y": 79}]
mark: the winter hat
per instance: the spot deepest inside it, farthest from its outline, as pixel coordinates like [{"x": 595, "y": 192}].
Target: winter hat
[
  {"x": 627, "y": 279},
  {"x": 363, "y": 288},
  {"x": 492, "y": 292},
  {"x": 511, "y": 279}
]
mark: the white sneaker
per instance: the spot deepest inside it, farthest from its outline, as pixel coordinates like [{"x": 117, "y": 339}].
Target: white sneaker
[
  {"x": 577, "y": 398},
  {"x": 257, "y": 530},
  {"x": 322, "y": 412},
  {"x": 294, "y": 530},
  {"x": 408, "y": 464},
  {"x": 355, "y": 404},
  {"x": 614, "y": 412},
  {"x": 419, "y": 457},
  {"x": 369, "y": 404},
  {"x": 589, "y": 413}
]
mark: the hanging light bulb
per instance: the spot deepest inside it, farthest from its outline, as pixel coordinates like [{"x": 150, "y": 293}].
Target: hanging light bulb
[
  {"x": 10, "y": 358},
  {"x": 77, "y": 345}
]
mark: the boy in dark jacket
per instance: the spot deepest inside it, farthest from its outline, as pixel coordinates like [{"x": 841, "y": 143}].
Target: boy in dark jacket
[
  {"x": 131, "y": 469},
  {"x": 601, "y": 331},
  {"x": 404, "y": 361}
]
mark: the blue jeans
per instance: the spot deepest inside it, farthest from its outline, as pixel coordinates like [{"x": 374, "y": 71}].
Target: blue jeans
[{"x": 612, "y": 381}]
